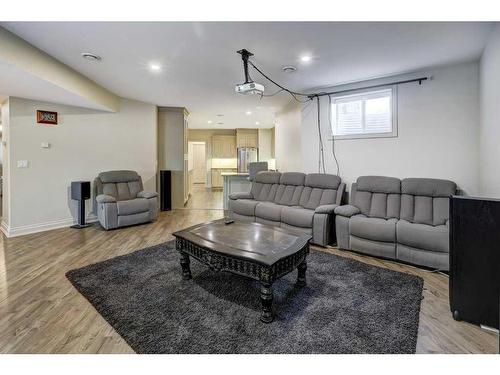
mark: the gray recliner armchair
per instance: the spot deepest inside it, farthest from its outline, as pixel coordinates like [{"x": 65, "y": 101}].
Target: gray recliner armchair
[{"x": 121, "y": 201}]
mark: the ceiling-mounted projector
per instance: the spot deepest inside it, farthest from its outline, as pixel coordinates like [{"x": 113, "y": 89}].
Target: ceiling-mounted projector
[{"x": 249, "y": 87}]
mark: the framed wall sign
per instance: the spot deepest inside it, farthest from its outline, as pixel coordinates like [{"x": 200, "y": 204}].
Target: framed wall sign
[{"x": 46, "y": 117}]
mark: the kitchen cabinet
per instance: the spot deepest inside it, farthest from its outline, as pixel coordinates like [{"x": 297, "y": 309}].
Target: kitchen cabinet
[
  {"x": 223, "y": 147},
  {"x": 247, "y": 138},
  {"x": 217, "y": 179}
]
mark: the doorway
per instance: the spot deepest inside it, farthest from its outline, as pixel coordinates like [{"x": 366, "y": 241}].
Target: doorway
[
  {"x": 201, "y": 196},
  {"x": 199, "y": 163}
]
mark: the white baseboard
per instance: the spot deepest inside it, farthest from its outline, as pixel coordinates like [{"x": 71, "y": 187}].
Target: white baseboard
[{"x": 41, "y": 227}]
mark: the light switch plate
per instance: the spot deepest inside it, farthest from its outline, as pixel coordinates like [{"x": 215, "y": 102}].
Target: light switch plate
[
  {"x": 22, "y": 163},
  {"x": 45, "y": 145}
]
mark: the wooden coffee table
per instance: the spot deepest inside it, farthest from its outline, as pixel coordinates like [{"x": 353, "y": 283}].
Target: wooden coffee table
[{"x": 254, "y": 250}]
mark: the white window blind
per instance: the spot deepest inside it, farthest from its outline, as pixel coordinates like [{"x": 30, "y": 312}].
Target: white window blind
[{"x": 363, "y": 115}]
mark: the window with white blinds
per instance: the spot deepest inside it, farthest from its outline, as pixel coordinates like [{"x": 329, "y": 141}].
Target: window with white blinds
[{"x": 365, "y": 115}]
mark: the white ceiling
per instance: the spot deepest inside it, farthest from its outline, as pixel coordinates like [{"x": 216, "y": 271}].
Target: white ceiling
[
  {"x": 201, "y": 67},
  {"x": 17, "y": 82}
]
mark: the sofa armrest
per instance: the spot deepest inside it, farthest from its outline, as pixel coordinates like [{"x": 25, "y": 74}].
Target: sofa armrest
[
  {"x": 325, "y": 209},
  {"x": 340, "y": 194},
  {"x": 147, "y": 194},
  {"x": 347, "y": 210},
  {"x": 241, "y": 195},
  {"x": 103, "y": 198}
]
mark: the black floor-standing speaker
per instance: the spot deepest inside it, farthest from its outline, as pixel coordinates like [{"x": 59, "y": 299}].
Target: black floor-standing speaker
[
  {"x": 80, "y": 191},
  {"x": 475, "y": 260},
  {"x": 165, "y": 190}
]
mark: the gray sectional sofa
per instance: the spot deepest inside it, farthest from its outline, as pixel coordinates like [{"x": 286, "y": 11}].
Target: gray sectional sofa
[
  {"x": 294, "y": 201},
  {"x": 119, "y": 200},
  {"x": 398, "y": 219}
]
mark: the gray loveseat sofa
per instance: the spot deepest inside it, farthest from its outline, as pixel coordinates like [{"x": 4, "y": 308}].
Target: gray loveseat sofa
[
  {"x": 398, "y": 219},
  {"x": 294, "y": 201},
  {"x": 121, "y": 201}
]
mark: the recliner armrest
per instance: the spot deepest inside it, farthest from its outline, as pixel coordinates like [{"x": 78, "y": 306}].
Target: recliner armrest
[
  {"x": 104, "y": 198},
  {"x": 347, "y": 210},
  {"x": 326, "y": 209},
  {"x": 147, "y": 194},
  {"x": 241, "y": 195}
]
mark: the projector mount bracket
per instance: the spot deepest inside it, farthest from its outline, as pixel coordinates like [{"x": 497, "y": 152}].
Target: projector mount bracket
[{"x": 245, "y": 55}]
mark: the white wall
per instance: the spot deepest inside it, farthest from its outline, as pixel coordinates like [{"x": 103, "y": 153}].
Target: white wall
[
  {"x": 265, "y": 147},
  {"x": 288, "y": 143},
  {"x": 5, "y": 162},
  {"x": 489, "y": 133},
  {"x": 84, "y": 143},
  {"x": 437, "y": 133},
  {"x": 170, "y": 139}
]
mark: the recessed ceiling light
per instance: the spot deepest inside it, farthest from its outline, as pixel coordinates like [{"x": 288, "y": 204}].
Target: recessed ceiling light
[
  {"x": 248, "y": 112},
  {"x": 90, "y": 56},
  {"x": 257, "y": 123},
  {"x": 289, "y": 69},
  {"x": 154, "y": 67},
  {"x": 209, "y": 121},
  {"x": 305, "y": 58}
]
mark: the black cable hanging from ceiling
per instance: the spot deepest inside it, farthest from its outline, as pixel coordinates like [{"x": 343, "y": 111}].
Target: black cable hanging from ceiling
[{"x": 310, "y": 96}]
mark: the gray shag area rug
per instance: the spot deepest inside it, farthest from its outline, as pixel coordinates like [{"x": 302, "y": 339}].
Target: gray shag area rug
[{"x": 346, "y": 307}]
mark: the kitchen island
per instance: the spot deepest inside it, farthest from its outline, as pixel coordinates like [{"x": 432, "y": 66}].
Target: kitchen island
[{"x": 234, "y": 183}]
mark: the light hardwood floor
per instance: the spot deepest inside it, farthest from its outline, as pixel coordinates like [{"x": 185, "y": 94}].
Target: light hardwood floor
[
  {"x": 41, "y": 312},
  {"x": 205, "y": 198}
]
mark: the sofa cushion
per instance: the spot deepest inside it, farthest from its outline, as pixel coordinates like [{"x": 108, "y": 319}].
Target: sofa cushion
[
  {"x": 377, "y": 196},
  {"x": 426, "y": 200},
  {"x": 297, "y": 216},
  {"x": 429, "y": 187},
  {"x": 314, "y": 197},
  {"x": 244, "y": 207},
  {"x": 133, "y": 206},
  {"x": 263, "y": 192},
  {"x": 379, "y": 184},
  {"x": 268, "y": 177},
  {"x": 322, "y": 181},
  {"x": 268, "y": 211},
  {"x": 292, "y": 178},
  {"x": 375, "y": 229},
  {"x": 288, "y": 195},
  {"x": 422, "y": 236},
  {"x": 118, "y": 176},
  {"x": 122, "y": 190}
]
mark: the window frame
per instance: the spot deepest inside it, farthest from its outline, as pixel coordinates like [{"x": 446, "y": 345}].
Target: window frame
[{"x": 394, "y": 113}]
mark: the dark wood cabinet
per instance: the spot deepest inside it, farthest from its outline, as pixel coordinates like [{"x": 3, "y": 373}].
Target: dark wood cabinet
[{"x": 475, "y": 260}]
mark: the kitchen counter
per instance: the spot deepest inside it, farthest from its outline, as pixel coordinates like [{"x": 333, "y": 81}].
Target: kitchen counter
[
  {"x": 234, "y": 183},
  {"x": 234, "y": 174}
]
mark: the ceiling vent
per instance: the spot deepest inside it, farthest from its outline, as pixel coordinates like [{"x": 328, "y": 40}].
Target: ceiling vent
[
  {"x": 289, "y": 69},
  {"x": 91, "y": 57}
]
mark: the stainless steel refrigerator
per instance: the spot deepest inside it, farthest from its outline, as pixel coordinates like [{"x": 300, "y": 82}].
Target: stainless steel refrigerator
[{"x": 246, "y": 155}]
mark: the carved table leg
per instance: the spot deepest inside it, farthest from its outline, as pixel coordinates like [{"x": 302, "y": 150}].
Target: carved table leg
[
  {"x": 266, "y": 298},
  {"x": 301, "y": 276},
  {"x": 186, "y": 271}
]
